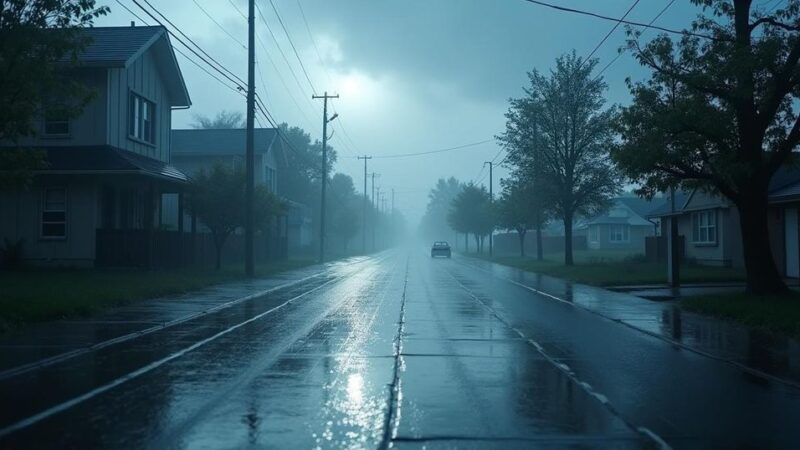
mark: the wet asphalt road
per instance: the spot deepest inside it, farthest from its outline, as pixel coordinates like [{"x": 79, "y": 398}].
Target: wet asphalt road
[{"x": 403, "y": 351}]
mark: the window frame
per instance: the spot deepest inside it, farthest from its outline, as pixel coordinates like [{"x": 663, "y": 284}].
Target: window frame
[
  {"x": 137, "y": 121},
  {"x": 46, "y": 121},
  {"x": 698, "y": 228},
  {"x": 46, "y": 209},
  {"x": 626, "y": 233},
  {"x": 594, "y": 234}
]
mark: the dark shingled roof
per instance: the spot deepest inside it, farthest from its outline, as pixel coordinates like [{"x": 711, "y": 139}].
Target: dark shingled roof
[
  {"x": 115, "y": 46},
  {"x": 665, "y": 208},
  {"x": 220, "y": 141},
  {"x": 107, "y": 159}
]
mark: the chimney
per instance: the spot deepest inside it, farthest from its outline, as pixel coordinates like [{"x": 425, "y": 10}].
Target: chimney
[{"x": 133, "y": 24}]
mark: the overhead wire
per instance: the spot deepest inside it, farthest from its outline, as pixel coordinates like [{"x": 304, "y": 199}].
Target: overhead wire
[
  {"x": 619, "y": 54},
  {"x": 615, "y": 19}
]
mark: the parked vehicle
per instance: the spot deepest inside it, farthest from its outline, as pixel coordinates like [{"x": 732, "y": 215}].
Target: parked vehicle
[{"x": 440, "y": 248}]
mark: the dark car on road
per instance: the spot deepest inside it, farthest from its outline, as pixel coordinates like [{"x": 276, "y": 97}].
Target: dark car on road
[{"x": 440, "y": 248}]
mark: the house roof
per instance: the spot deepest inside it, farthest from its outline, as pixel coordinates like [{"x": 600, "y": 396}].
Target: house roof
[
  {"x": 665, "y": 208},
  {"x": 222, "y": 141},
  {"x": 105, "y": 159},
  {"x": 783, "y": 187},
  {"x": 639, "y": 206},
  {"x": 121, "y": 46}
]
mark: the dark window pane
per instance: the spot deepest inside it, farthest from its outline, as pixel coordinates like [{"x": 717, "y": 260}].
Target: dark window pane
[
  {"x": 53, "y": 216},
  {"x": 54, "y": 229}
]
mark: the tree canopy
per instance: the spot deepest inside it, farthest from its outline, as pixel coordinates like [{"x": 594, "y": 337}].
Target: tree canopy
[
  {"x": 719, "y": 113},
  {"x": 218, "y": 201},
  {"x": 224, "y": 120},
  {"x": 40, "y": 41},
  {"x": 562, "y": 128}
]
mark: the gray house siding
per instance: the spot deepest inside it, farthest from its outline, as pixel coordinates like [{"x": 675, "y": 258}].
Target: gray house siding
[
  {"x": 86, "y": 129},
  {"x": 143, "y": 78},
  {"x": 20, "y": 218},
  {"x": 635, "y": 242}
]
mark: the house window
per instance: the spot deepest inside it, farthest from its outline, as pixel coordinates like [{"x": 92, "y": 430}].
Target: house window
[
  {"x": 269, "y": 178},
  {"x": 620, "y": 233},
  {"x": 237, "y": 164},
  {"x": 704, "y": 227},
  {"x": 141, "y": 119},
  {"x": 594, "y": 233},
  {"x": 54, "y": 213},
  {"x": 56, "y": 122}
]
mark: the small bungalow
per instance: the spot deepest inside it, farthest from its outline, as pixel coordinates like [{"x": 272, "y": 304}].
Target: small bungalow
[
  {"x": 623, "y": 227},
  {"x": 709, "y": 225},
  {"x": 107, "y": 168}
]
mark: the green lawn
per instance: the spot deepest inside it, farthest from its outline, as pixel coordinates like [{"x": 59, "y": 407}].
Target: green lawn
[
  {"x": 615, "y": 269},
  {"x": 776, "y": 314},
  {"x": 37, "y": 295}
]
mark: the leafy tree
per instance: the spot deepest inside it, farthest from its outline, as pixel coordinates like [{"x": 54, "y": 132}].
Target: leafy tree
[
  {"x": 218, "y": 201},
  {"x": 471, "y": 212},
  {"x": 345, "y": 210},
  {"x": 434, "y": 223},
  {"x": 719, "y": 113},
  {"x": 514, "y": 211},
  {"x": 574, "y": 133},
  {"x": 40, "y": 41},
  {"x": 300, "y": 180},
  {"x": 223, "y": 120}
]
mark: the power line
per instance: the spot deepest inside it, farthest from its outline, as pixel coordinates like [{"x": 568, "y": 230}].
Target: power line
[
  {"x": 404, "y": 155},
  {"x": 314, "y": 43},
  {"x": 616, "y": 25},
  {"x": 614, "y": 19},
  {"x": 280, "y": 50},
  {"x": 187, "y": 38},
  {"x": 224, "y": 30},
  {"x": 294, "y": 49},
  {"x": 619, "y": 54}
]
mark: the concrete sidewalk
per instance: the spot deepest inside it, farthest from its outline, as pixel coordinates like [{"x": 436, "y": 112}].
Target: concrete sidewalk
[
  {"x": 51, "y": 342},
  {"x": 756, "y": 351}
]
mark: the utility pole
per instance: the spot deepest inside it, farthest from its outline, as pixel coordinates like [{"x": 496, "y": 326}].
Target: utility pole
[
  {"x": 324, "y": 178},
  {"x": 364, "y": 216},
  {"x": 374, "y": 212},
  {"x": 249, "y": 221},
  {"x": 491, "y": 201},
  {"x": 392, "y": 202}
]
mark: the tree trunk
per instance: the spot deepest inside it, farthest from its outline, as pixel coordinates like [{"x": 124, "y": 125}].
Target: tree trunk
[
  {"x": 763, "y": 277},
  {"x": 568, "y": 240},
  {"x": 539, "y": 250},
  {"x": 521, "y": 235}
]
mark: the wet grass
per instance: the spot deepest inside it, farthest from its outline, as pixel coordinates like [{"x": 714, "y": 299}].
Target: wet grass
[
  {"x": 777, "y": 314},
  {"x": 610, "y": 269},
  {"x": 29, "y": 296}
]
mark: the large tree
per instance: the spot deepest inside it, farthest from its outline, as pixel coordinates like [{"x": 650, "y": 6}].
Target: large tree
[
  {"x": 562, "y": 127},
  {"x": 40, "y": 41},
  {"x": 718, "y": 113},
  {"x": 517, "y": 210}
]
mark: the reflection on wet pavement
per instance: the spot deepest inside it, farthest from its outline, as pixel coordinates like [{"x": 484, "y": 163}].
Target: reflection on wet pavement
[{"x": 403, "y": 352}]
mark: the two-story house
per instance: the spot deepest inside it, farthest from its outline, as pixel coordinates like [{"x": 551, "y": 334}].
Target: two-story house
[{"x": 107, "y": 168}]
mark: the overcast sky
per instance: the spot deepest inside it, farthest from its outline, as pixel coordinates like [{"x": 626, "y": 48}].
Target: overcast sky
[{"x": 413, "y": 75}]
